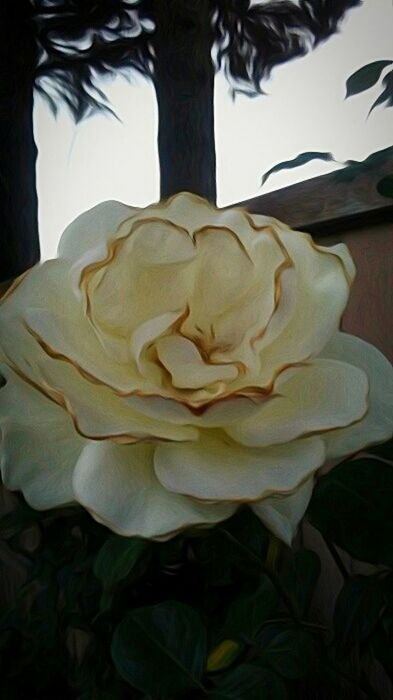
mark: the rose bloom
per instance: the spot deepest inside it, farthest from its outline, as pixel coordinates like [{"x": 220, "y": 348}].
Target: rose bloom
[{"x": 178, "y": 361}]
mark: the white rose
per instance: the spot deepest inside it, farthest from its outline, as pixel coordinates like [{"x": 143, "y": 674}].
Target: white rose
[{"x": 177, "y": 361}]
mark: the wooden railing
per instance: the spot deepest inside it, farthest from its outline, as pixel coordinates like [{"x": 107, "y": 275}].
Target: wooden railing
[{"x": 330, "y": 204}]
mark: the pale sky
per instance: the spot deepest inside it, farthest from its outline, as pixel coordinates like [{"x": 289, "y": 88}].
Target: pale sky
[{"x": 79, "y": 166}]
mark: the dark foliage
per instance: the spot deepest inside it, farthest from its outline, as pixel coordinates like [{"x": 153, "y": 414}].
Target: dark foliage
[
  {"x": 361, "y": 80},
  {"x": 225, "y": 614},
  {"x": 252, "y": 39},
  {"x": 83, "y": 40}
]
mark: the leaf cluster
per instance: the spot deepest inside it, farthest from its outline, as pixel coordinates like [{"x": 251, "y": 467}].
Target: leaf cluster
[
  {"x": 352, "y": 168},
  {"x": 82, "y": 42},
  {"x": 368, "y": 76},
  {"x": 361, "y": 80},
  {"x": 253, "y": 38},
  {"x": 224, "y": 614}
]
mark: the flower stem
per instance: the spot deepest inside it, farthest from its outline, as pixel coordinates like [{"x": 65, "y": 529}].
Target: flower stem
[{"x": 337, "y": 559}]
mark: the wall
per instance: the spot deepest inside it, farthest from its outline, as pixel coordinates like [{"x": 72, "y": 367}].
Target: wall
[{"x": 369, "y": 313}]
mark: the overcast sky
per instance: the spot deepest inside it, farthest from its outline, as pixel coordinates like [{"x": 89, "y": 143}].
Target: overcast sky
[{"x": 79, "y": 166}]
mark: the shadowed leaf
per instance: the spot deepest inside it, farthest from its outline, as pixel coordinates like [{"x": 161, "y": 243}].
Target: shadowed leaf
[
  {"x": 381, "y": 646},
  {"x": 247, "y": 615},
  {"x": 300, "y": 578},
  {"x": 387, "y": 94},
  {"x": 290, "y": 652},
  {"x": 365, "y": 77},
  {"x": 116, "y": 559},
  {"x": 161, "y": 650},
  {"x": 249, "y": 681},
  {"x": 357, "y": 610},
  {"x": 351, "y": 506}
]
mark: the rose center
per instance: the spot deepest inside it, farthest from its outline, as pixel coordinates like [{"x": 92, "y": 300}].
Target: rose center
[{"x": 188, "y": 370}]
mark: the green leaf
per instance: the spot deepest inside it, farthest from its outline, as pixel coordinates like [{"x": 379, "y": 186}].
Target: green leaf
[
  {"x": 357, "y": 610},
  {"x": 247, "y": 536},
  {"x": 161, "y": 649},
  {"x": 289, "y": 652},
  {"x": 249, "y": 682},
  {"x": 116, "y": 559},
  {"x": 233, "y": 548},
  {"x": 365, "y": 77},
  {"x": 385, "y": 186},
  {"x": 351, "y": 506},
  {"x": 301, "y": 159},
  {"x": 247, "y": 615},
  {"x": 300, "y": 578},
  {"x": 386, "y": 94}
]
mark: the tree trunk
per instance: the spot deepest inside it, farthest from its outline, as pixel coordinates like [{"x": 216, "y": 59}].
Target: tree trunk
[
  {"x": 184, "y": 84},
  {"x": 18, "y": 197}
]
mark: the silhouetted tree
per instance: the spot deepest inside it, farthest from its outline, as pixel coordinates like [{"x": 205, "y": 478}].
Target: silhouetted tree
[
  {"x": 19, "y": 247},
  {"x": 178, "y": 44}
]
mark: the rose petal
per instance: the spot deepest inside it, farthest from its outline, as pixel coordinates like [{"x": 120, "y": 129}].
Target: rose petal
[
  {"x": 282, "y": 514},
  {"x": 146, "y": 273},
  {"x": 96, "y": 410},
  {"x": 39, "y": 446},
  {"x": 147, "y": 332},
  {"x": 186, "y": 366},
  {"x": 117, "y": 484},
  {"x": 98, "y": 413},
  {"x": 93, "y": 229},
  {"x": 313, "y": 296},
  {"x": 156, "y": 242},
  {"x": 323, "y": 395},
  {"x": 216, "y": 468},
  {"x": 377, "y": 425},
  {"x": 217, "y": 286},
  {"x": 232, "y": 302},
  {"x": 220, "y": 412},
  {"x": 45, "y": 307},
  {"x": 193, "y": 213},
  {"x": 184, "y": 209},
  {"x": 56, "y": 332}
]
